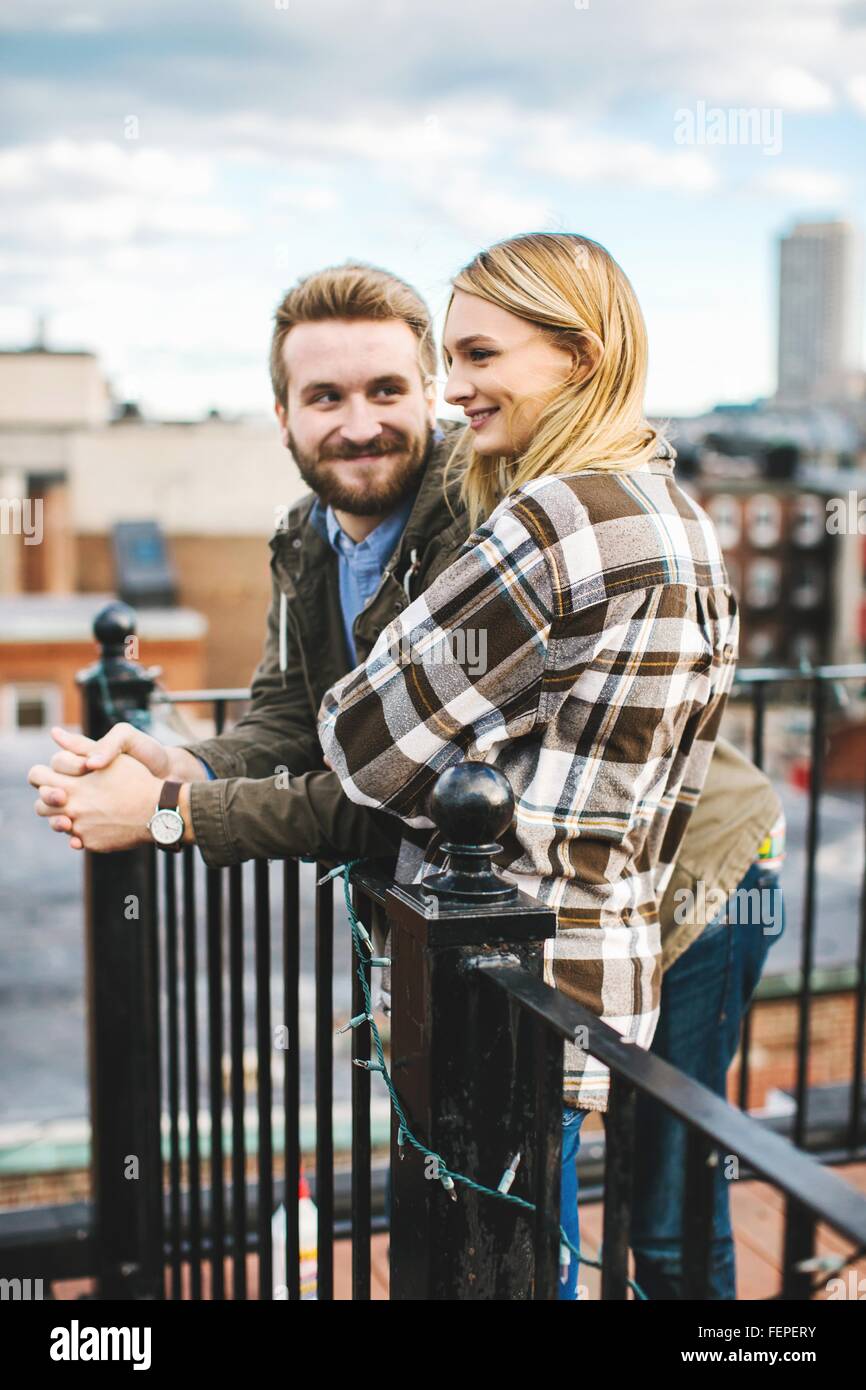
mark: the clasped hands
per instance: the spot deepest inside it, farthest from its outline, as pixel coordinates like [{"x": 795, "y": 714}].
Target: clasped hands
[{"x": 102, "y": 793}]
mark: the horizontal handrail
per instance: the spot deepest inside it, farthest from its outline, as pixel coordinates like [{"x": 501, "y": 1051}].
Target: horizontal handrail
[
  {"x": 756, "y": 675},
  {"x": 774, "y": 1158},
  {"x": 181, "y": 697}
]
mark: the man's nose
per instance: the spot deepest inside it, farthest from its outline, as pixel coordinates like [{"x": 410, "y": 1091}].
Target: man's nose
[{"x": 360, "y": 422}]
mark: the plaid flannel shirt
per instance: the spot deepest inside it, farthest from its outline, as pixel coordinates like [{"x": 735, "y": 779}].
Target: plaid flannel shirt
[{"x": 602, "y": 609}]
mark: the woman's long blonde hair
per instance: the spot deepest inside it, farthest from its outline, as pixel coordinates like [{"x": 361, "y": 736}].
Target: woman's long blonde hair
[{"x": 573, "y": 290}]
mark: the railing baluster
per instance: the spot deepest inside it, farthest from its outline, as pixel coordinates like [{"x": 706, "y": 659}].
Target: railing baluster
[
  {"x": 214, "y": 885},
  {"x": 291, "y": 1072},
  {"x": 264, "y": 1054},
  {"x": 799, "y": 1246},
  {"x": 192, "y": 1088},
  {"x": 547, "y": 1159},
  {"x": 173, "y": 1061},
  {"x": 154, "y": 1233},
  {"x": 238, "y": 1088},
  {"x": 855, "y": 1118},
  {"x": 361, "y": 1207},
  {"x": 698, "y": 1197},
  {"x": 219, "y": 713},
  {"x": 759, "y": 710},
  {"x": 804, "y": 1004},
  {"x": 619, "y": 1125},
  {"x": 325, "y": 1084},
  {"x": 759, "y": 714}
]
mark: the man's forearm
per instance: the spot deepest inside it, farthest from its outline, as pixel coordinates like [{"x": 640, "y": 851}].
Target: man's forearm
[
  {"x": 183, "y": 806},
  {"x": 185, "y": 766},
  {"x": 280, "y": 817}
]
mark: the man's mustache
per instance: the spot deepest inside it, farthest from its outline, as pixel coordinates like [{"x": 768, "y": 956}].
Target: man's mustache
[{"x": 376, "y": 447}]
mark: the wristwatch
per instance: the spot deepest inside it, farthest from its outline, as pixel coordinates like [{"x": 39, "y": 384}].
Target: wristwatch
[{"x": 166, "y": 824}]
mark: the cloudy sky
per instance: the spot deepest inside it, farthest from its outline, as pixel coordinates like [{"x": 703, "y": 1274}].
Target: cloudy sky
[{"x": 168, "y": 167}]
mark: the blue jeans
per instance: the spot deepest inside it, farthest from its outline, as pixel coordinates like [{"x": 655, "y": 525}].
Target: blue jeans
[
  {"x": 704, "y": 996},
  {"x": 568, "y": 1215}
]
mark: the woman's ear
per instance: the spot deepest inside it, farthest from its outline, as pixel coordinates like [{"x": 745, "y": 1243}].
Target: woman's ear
[{"x": 588, "y": 355}]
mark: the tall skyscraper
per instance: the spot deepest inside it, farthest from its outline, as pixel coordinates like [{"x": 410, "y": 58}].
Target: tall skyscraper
[{"x": 820, "y": 313}]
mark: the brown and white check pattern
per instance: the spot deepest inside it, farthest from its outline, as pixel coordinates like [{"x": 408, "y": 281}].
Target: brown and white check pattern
[{"x": 611, "y": 633}]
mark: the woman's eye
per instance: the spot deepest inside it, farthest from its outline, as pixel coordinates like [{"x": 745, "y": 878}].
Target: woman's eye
[{"x": 479, "y": 354}]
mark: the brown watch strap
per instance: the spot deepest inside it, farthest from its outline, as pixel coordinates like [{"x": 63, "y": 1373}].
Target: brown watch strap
[
  {"x": 168, "y": 801},
  {"x": 168, "y": 797}
]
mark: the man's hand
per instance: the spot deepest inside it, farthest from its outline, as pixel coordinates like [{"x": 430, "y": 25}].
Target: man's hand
[
  {"x": 80, "y": 754},
  {"x": 106, "y": 810}
]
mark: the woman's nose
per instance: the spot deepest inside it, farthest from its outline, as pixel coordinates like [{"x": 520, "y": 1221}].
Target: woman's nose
[{"x": 457, "y": 388}]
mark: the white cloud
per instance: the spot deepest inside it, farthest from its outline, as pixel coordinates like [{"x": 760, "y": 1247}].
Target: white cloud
[
  {"x": 310, "y": 199},
  {"x": 96, "y": 192},
  {"x": 392, "y": 135},
  {"x": 631, "y": 163},
  {"x": 857, "y": 92},
  {"x": 81, "y": 23},
  {"x": 813, "y": 186},
  {"x": 102, "y": 165},
  {"x": 795, "y": 89}
]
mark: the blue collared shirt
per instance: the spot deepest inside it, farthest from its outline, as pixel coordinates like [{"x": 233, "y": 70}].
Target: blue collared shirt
[{"x": 361, "y": 563}]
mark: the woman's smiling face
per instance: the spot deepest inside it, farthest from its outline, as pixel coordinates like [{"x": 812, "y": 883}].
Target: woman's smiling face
[{"x": 502, "y": 371}]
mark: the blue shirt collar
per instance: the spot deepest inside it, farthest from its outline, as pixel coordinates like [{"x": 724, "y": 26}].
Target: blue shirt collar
[
  {"x": 327, "y": 525},
  {"x": 381, "y": 541}
]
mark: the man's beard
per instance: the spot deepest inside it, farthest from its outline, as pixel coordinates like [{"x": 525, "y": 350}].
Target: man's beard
[{"x": 321, "y": 471}]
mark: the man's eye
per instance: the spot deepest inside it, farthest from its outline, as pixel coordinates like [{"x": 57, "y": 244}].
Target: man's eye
[
  {"x": 325, "y": 398},
  {"x": 389, "y": 391}
]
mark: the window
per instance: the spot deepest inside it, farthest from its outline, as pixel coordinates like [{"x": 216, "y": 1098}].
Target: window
[
  {"x": 808, "y": 520},
  {"x": 763, "y": 583},
  {"x": 764, "y": 520},
  {"x": 760, "y": 645},
  {"x": 725, "y": 513},
  {"x": 805, "y": 649},
  {"x": 807, "y": 589},
  {"x": 29, "y": 706}
]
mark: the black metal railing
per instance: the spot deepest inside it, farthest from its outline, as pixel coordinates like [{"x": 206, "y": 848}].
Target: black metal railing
[
  {"x": 171, "y": 1012},
  {"x": 821, "y": 687}
]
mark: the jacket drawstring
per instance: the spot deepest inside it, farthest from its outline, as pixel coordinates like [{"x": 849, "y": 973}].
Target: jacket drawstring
[
  {"x": 283, "y": 636},
  {"x": 411, "y": 571}
]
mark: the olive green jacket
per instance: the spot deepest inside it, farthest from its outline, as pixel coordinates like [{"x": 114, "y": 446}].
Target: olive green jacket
[{"x": 275, "y": 797}]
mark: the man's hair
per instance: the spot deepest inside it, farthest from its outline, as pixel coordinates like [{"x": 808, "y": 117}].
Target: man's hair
[{"x": 351, "y": 291}]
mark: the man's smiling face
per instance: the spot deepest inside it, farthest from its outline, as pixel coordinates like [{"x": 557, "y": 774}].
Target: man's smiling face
[{"x": 358, "y": 417}]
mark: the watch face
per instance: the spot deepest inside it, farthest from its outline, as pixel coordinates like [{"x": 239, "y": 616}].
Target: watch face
[{"x": 166, "y": 827}]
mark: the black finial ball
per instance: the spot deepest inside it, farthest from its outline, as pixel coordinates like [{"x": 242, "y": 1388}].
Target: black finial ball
[
  {"x": 113, "y": 624},
  {"x": 472, "y": 804}
]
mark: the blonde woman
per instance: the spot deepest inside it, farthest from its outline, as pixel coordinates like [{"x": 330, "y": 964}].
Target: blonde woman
[{"x": 597, "y": 591}]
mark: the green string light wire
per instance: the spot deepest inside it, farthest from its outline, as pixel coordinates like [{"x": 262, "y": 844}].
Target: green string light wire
[{"x": 442, "y": 1171}]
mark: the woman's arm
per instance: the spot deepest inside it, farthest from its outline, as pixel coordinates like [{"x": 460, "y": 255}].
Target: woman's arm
[{"x": 460, "y": 668}]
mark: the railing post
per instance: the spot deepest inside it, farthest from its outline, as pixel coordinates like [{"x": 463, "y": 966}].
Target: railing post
[
  {"x": 122, "y": 1005},
  {"x": 466, "y": 1063}
]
